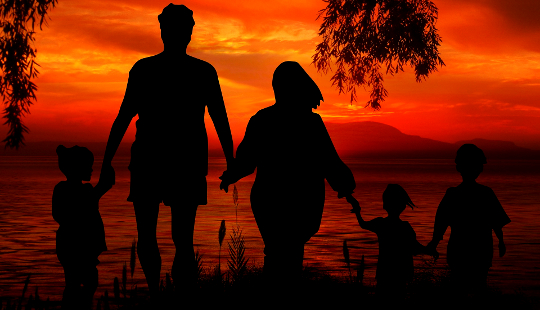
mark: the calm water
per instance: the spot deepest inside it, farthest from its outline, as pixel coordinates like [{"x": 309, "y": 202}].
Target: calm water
[{"x": 27, "y": 230}]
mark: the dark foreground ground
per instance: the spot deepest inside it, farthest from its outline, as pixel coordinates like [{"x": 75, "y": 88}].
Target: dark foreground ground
[{"x": 317, "y": 290}]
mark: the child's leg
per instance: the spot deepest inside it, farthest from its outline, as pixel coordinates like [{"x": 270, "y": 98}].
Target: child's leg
[
  {"x": 72, "y": 291},
  {"x": 90, "y": 284}
]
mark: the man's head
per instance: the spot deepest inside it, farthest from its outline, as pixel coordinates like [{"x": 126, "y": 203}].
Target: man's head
[
  {"x": 470, "y": 161},
  {"x": 176, "y": 23}
]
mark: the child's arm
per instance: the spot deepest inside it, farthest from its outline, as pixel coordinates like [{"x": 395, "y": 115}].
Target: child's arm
[
  {"x": 356, "y": 210},
  {"x": 105, "y": 183},
  {"x": 441, "y": 222},
  {"x": 502, "y": 246}
]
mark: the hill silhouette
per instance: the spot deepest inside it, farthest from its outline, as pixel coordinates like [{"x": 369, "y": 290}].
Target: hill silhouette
[
  {"x": 355, "y": 139},
  {"x": 377, "y": 140}
]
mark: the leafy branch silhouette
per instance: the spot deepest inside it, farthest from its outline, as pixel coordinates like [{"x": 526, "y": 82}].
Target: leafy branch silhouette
[
  {"x": 365, "y": 37},
  {"x": 17, "y": 61}
]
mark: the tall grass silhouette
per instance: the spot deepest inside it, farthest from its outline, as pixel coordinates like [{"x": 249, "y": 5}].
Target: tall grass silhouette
[
  {"x": 221, "y": 236},
  {"x": 237, "y": 262},
  {"x": 347, "y": 258}
]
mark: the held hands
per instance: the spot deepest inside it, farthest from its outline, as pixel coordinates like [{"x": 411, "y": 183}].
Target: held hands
[
  {"x": 107, "y": 176},
  {"x": 354, "y": 203},
  {"x": 226, "y": 176},
  {"x": 431, "y": 249},
  {"x": 224, "y": 185}
]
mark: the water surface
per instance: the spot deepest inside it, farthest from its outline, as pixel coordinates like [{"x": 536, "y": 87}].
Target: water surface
[{"x": 27, "y": 229}]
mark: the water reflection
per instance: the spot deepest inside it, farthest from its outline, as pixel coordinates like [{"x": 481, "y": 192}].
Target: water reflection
[{"x": 27, "y": 230}]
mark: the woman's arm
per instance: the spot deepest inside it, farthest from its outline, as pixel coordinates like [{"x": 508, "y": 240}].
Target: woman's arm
[
  {"x": 336, "y": 172},
  {"x": 502, "y": 246},
  {"x": 245, "y": 162}
]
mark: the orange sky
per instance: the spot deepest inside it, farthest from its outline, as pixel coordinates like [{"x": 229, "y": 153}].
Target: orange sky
[{"x": 489, "y": 88}]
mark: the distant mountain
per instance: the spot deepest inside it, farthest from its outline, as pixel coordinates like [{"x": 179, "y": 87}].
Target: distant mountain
[
  {"x": 48, "y": 148},
  {"x": 376, "y": 140},
  {"x": 358, "y": 139},
  {"x": 502, "y": 149}
]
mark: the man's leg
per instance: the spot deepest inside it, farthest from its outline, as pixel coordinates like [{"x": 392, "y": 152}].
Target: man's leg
[
  {"x": 146, "y": 215},
  {"x": 182, "y": 225}
]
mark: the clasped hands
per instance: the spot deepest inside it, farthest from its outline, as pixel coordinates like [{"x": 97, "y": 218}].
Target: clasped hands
[{"x": 107, "y": 175}]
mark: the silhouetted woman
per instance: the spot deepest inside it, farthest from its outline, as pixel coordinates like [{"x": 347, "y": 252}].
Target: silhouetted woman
[{"x": 293, "y": 154}]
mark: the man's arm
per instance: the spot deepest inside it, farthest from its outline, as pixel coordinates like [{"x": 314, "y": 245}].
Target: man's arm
[
  {"x": 218, "y": 114},
  {"x": 502, "y": 246},
  {"x": 128, "y": 110},
  {"x": 118, "y": 129}
]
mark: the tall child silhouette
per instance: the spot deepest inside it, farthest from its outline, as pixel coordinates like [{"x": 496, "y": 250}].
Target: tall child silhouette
[
  {"x": 293, "y": 154},
  {"x": 80, "y": 239},
  {"x": 472, "y": 211},
  {"x": 397, "y": 241}
]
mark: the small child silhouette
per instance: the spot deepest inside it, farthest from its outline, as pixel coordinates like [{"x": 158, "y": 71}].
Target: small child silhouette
[
  {"x": 472, "y": 211},
  {"x": 397, "y": 241},
  {"x": 80, "y": 239}
]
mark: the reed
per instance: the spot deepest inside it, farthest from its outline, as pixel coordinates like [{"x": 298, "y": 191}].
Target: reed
[
  {"x": 199, "y": 264},
  {"x": 132, "y": 258},
  {"x": 237, "y": 261},
  {"x": 235, "y": 200},
  {"x": 221, "y": 236},
  {"x": 124, "y": 280},
  {"x": 360, "y": 271},
  {"x": 116, "y": 290},
  {"x": 347, "y": 258}
]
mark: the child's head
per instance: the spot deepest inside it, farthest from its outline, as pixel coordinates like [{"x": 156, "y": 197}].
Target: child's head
[
  {"x": 75, "y": 162},
  {"x": 395, "y": 199},
  {"x": 470, "y": 161}
]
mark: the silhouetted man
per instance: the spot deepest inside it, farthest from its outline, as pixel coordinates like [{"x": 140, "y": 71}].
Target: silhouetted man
[{"x": 169, "y": 158}]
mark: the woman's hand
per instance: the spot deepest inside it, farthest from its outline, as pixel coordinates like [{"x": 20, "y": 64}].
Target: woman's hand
[
  {"x": 502, "y": 248},
  {"x": 224, "y": 185},
  {"x": 107, "y": 176},
  {"x": 354, "y": 203}
]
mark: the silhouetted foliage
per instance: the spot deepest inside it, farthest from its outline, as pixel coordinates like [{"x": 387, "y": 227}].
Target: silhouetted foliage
[
  {"x": 17, "y": 61},
  {"x": 363, "y": 37}
]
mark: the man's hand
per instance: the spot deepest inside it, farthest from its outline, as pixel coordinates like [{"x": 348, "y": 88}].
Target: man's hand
[
  {"x": 224, "y": 185},
  {"x": 108, "y": 176},
  {"x": 502, "y": 248}
]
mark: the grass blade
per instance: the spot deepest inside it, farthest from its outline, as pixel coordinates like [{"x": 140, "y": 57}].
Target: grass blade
[
  {"x": 132, "y": 258},
  {"x": 347, "y": 258}
]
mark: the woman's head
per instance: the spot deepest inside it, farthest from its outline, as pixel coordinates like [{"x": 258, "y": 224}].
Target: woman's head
[
  {"x": 470, "y": 161},
  {"x": 75, "y": 162},
  {"x": 395, "y": 199},
  {"x": 293, "y": 86}
]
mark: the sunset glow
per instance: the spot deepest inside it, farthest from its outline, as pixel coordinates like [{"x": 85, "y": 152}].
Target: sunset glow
[{"x": 489, "y": 87}]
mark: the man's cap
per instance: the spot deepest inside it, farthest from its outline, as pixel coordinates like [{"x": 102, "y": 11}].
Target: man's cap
[{"x": 178, "y": 15}]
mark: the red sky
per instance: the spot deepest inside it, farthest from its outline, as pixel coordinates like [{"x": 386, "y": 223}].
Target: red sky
[{"x": 489, "y": 88}]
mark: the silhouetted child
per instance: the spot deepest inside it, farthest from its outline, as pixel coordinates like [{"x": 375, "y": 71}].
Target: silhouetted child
[
  {"x": 80, "y": 239},
  {"x": 472, "y": 211},
  {"x": 397, "y": 241}
]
